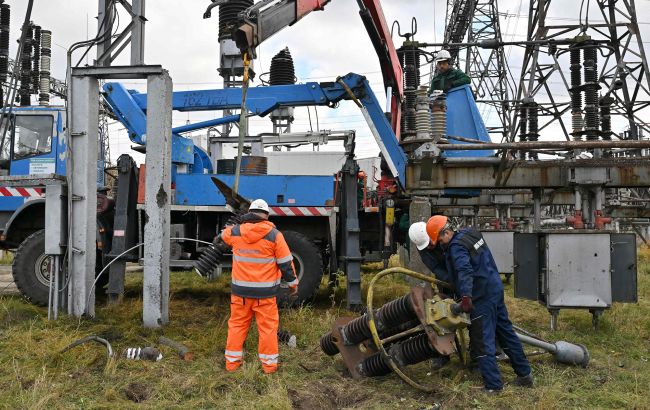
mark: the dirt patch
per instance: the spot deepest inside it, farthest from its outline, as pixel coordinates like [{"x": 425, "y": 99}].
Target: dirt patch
[
  {"x": 14, "y": 316},
  {"x": 331, "y": 396},
  {"x": 137, "y": 392}
]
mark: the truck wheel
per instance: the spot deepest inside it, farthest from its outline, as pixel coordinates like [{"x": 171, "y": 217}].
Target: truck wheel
[
  {"x": 309, "y": 267},
  {"x": 31, "y": 269}
]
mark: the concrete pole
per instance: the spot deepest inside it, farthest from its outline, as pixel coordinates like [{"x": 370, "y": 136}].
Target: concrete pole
[
  {"x": 419, "y": 211},
  {"x": 82, "y": 170},
  {"x": 155, "y": 294}
]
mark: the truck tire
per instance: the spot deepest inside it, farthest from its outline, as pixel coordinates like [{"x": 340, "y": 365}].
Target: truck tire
[
  {"x": 30, "y": 269},
  {"x": 309, "y": 268}
]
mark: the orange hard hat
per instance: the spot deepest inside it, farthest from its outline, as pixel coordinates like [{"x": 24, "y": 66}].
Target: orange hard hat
[{"x": 434, "y": 225}]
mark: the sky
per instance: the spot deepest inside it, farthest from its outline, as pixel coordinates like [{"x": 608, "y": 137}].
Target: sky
[{"x": 324, "y": 45}]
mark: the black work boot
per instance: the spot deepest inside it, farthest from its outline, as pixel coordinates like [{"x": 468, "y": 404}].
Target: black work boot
[{"x": 524, "y": 381}]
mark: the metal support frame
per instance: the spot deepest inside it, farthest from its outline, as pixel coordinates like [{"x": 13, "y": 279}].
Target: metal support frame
[
  {"x": 349, "y": 234},
  {"x": 82, "y": 179},
  {"x": 84, "y": 117},
  {"x": 458, "y": 20},
  {"x": 157, "y": 199},
  {"x": 488, "y": 69},
  {"x": 626, "y": 64},
  {"x": 125, "y": 226},
  {"x": 108, "y": 48}
]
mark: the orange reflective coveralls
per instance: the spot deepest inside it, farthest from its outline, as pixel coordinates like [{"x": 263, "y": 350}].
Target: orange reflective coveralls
[{"x": 261, "y": 258}]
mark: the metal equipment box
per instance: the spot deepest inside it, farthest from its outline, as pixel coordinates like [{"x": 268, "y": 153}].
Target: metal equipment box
[
  {"x": 501, "y": 244},
  {"x": 578, "y": 270},
  {"x": 575, "y": 269}
]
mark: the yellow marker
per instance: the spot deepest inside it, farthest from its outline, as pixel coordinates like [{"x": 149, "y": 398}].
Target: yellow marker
[{"x": 390, "y": 216}]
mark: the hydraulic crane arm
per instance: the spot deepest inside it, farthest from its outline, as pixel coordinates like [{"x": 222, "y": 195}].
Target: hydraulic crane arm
[
  {"x": 129, "y": 107},
  {"x": 267, "y": 17},
  {"x": 264, "y": 19}
]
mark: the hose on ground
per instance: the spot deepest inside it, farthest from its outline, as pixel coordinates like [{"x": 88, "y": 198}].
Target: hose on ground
[{"x": 373, "y": 327}]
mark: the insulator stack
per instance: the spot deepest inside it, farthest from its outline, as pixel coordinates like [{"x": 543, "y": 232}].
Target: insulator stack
[
  {"x": 410, "y": 59},
  {"x": 5, "y": 19},
  {"x": 590, "y": 53},
  {"x": 412, "y": 351},
  {"x": 36, "y": 59},
  {"x": 228, "y": 13},
  {"x": 373, "y": 366},
  {"x": 356, "y": 331},
  {"x": 208, "y": 260},
  {"x": 533, "y": 126},
  {"x": 210, "y": 257},
  {"x": 396, "y": 312},
  {"x": 409, "y": 112},
  {"x": 390, "y": 316},
  {"x": 46, "y": 56},
  {"x": 523, "y": 122},
  {"x": 282, "y": 70},
  {"x": 327, "y": 344},
  {"x": 422, "y": 115},
  {"x": 577, "y": 123},
  {"x": 605, "y": 104},
  {"x": 26, "y": 68},
  {"x": 439, "y": 116}
]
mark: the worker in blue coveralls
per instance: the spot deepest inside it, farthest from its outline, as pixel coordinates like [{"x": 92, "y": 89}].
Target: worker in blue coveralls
[{"x": 475, "y": 277}]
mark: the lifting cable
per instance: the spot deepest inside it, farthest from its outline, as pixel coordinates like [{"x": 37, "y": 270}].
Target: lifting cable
[{"x": 242, "y": 124}]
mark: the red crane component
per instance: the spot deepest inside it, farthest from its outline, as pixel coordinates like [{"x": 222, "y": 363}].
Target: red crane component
[
  {"x": 373, "y": 18},
  {"x": 304, "y": 7},
  {"x": 262, "y": 21}
]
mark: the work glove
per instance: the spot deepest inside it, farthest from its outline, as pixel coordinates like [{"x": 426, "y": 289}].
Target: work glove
[
  {"x": 293, "y": 290},
  {"x": 466, "y": 304},
  {"x": 219, "y": 244}
]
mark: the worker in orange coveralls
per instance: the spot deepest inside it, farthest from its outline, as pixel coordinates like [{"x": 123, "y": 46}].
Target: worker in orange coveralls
[{"x": 261, "y": 258}]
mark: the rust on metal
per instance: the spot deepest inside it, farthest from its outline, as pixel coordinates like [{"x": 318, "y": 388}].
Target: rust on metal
[
  {"x": 443, "y": 344},
  {"x": 352, "y": 354}
]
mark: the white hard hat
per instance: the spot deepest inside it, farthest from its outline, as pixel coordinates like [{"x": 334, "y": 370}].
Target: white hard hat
[
  {"x": 418, "y": 235},
  {"x": 259, "y": 205},
  {"x": 443, "y": 55}
]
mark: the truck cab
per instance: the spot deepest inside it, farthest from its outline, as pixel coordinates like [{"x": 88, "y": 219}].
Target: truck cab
[{"x": 34, "y": 145}]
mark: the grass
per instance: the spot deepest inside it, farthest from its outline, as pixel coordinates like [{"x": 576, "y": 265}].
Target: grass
[{"x": 34, "y": 374}]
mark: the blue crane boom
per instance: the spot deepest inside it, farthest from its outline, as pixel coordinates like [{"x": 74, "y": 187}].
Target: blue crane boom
[{"x": 130, "y": 107}]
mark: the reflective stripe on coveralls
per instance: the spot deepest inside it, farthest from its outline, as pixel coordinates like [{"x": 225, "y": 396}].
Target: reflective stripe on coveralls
[{"x": 261, "y": 258}]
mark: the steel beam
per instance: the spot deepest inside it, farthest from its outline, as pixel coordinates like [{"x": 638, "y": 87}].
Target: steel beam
[
  {"x": 82, "y": 182},
  {"x": 621, "y": 172},
  {"x": 157, "y": 199},
  {"x": 558, "y": 145},
  {"x": 419, "y": 211},
  {"x": 137, "y": 35}
]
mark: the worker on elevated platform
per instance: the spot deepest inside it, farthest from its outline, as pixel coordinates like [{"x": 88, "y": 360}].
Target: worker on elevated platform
[
  {"x": 446, "y": 76},
  {"x": 476, "y": 280},
  {"x": 261, "y": 258}
]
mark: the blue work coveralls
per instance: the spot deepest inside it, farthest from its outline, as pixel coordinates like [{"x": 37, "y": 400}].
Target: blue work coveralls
[
  {"x": 434, "y": 260},
  {"x": 474, "y": 273}
]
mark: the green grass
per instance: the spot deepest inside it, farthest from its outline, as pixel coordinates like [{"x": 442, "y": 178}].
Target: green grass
[
  {"x": 34, "y": 374},
  {"x": 7, "y": 258}
]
